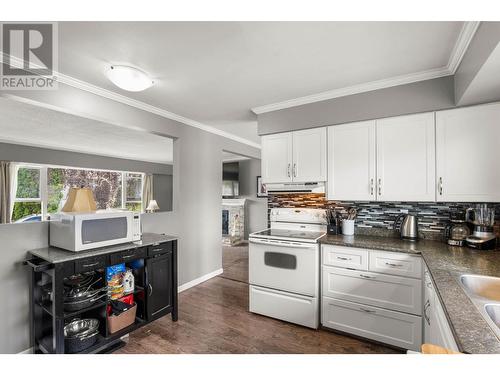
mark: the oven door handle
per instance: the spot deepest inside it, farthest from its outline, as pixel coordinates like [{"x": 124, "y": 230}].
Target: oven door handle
[{"x": 298, "y": 245}]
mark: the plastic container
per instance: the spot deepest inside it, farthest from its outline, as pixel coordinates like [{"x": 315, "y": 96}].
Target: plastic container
[
  {"x": 126, "y": 318},
  {"x": 348, "y": 227}
]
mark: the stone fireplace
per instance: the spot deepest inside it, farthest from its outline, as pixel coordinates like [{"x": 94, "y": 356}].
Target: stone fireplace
[{"x": 233, "y": 221}]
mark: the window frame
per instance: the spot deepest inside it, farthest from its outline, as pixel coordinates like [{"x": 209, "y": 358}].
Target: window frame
[
  {"x": 44, "y": 188},
  {"x": 124, "y": 191}
]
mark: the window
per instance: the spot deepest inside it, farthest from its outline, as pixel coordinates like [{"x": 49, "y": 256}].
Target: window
[
  {"x": 28, "y": 199},
  {"x": 42, "y": 190},
  {"x": 133, "y": 191}
]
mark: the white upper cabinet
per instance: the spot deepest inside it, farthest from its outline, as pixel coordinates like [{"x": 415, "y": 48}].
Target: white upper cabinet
[
  {"x": 298, "y": 156},
  {"x": 468, "y": 152},
  {"x": 309, "y": 155},
  {"x": 406, "y": 158},
  {"x": 351, "y": 161},
  {"x": 276, "y": 156}
]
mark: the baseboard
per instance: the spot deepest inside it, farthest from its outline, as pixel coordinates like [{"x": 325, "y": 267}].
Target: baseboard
[
  {"x": 199, "y": 280},
  {"x": 27, "y": 351}
]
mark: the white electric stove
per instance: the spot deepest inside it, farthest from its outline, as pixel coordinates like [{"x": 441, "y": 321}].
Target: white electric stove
[{"x": 284, "y": 266}]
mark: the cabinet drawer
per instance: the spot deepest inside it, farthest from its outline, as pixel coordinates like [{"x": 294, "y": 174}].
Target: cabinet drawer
[
  {"x": 160, "y": 249},
  {"x": 286, "y": 306},
  {"x": 346, "y": 257},
  {"x": 386, "y": 291},
  {"x": 89, "y": 264},
  {"x": 390, "y": 327},
  {"x": 128, "y": 256},
  {"x": 396, "y": 264}
]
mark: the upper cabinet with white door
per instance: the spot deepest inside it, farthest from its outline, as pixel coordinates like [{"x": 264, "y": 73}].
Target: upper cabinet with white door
[
  {"x": 390, "y": 159},
  {"x": 406, "y": 158},
  {"x": 277, "y": 158},
  {"x": 468, "y": 153},
  {"x": 351, "y": 161},
  {"x": 298, "y": 156}
]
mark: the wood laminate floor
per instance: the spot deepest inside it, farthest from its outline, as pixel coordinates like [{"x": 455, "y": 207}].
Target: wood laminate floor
[
  {"x": 235, "y": 262},
  {"x": 214, "y": 318}
]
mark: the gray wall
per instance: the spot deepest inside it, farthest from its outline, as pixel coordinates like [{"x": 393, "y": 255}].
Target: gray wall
[
  {"x": 197, "y": 176},
  {"x": 163, "y": 191},
  {"x": 256, "y": 208},
  {"x": 28, "y": 154},
  {"x": 416, "y": 97},
  {"x": 15, "y": 239},
  {"x": 482, "y": 45}
]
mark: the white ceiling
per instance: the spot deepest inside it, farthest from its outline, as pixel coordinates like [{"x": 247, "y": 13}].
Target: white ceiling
[
  {"x": 215, "y": 72},
  {"x": 25, "y": 124}
]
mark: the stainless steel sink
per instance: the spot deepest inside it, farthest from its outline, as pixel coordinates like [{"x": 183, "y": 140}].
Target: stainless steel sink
[
  {"x": 493, "y": 311},
  {"x": 484, "y": 291},
  {"x": 482, "y": 286}
]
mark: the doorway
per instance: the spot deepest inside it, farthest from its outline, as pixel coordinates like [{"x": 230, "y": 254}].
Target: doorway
[{"x": 242, "y": 212}]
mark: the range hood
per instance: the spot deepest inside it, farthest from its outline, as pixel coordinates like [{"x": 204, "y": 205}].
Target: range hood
[{"x": 290, "y": 188}]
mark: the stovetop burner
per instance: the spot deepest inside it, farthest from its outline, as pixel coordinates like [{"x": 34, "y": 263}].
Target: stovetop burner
[{"x": 287, "y": 234}]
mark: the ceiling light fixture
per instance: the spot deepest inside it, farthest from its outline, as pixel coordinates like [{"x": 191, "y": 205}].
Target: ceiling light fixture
[{"x": 129, "y": 78}]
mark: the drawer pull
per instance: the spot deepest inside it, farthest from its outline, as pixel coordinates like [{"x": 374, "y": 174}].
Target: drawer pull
[
  {"x": 90, "y": 265},
  {"x": 344, "y": 258},
  {"x": 366, "y": 276},
  {"x": 367, "y": 310},
  {"x": 128, "y": 256},
  {"x": 393, "y": 264}
]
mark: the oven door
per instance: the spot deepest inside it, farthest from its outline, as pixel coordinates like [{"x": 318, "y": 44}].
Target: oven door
[
  {"x": 283, "y": 265},
  {"x": 102, "y": 230}
]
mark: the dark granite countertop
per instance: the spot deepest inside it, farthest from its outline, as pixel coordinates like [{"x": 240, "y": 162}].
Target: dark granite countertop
[
  {"x": 445, "y": 263},
  {"x": 56, "y": 255}
]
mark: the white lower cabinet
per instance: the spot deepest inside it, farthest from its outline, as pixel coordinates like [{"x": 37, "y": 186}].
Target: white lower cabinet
[
  {"x": 390, "y": 327},
  {"x": 390, "y": 292},
  {"x": 382, "y": 301},
  {"x": 437, "y": 330},
  {"x": 396, "y": 263},
  {"x": 345, "y": 257}
]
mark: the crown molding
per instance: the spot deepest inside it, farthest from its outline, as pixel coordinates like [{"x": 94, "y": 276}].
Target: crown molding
[
  {"x": 96, "y": 90},
  {"x": 462, "y": 44},
  {"x": 355, "y": 89},
  {"x": 464, "y": 38}
]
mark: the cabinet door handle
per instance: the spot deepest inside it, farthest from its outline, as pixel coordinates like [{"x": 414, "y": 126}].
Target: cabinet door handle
[
  {"x": 150, "y": 289},
  {"x": 371, "y": 186},
  {"x": 367, "y": 310},
  {"x": 379, "y": 186},
  {"x": 440, "y": 185},
  {"x": 344, "y": 258},
  {"x": 288, "y": 170},
  {"x": 426, "y": 316},
  {"x": 90, "y": 265},
  {"x": 366, "y": 276},
  {"x": 294, "y": 170},
  {"x": 393, "y": 264}
]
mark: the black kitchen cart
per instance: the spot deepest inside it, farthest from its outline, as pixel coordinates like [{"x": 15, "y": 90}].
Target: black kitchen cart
[{"x": 155, "y": 290}]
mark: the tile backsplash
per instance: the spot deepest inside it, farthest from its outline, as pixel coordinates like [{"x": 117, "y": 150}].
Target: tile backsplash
[{"x": 377, "y": 216}]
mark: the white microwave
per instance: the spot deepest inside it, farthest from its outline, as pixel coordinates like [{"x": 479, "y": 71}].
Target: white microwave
[{"x": 78, "y": 231}]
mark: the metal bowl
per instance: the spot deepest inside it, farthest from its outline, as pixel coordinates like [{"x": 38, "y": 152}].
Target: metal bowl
[{"x": 80, "y": 328}]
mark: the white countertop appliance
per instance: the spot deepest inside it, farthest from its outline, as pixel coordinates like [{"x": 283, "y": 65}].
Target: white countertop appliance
[
  {"x": 78, "y": 231},
  {"x": 284, "y": 266}
]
